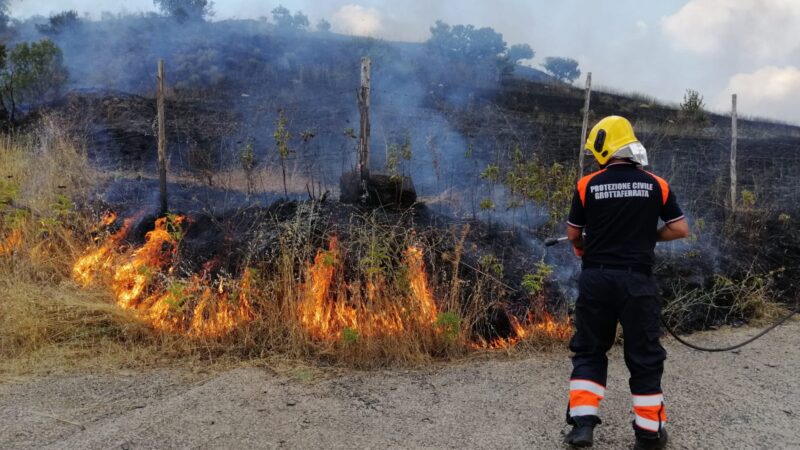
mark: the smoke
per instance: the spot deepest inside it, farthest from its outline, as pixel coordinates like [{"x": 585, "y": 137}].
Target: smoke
[
  {"x": 769, "y": 91},
  {"x": 358, "y": 20},
  {"x": 229, "y": 79},
  {"x": 661, "y": 48}
]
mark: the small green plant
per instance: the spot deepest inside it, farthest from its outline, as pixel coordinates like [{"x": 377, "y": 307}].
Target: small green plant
[
  {"x": 9, "y": 191},
  {"x": 307, "y": 135},
  {"x": 16, "y": 218},
  {"x": 692, "y": 110},
  {"x": 492, "y": 265},
  {"x": 549, "y": 185},
  {"x": 349, "y": 336},
  {"x": 700, "y": 224},
  {"x": 328, "y": 258},
  {"x": 401, "y": 280},
  {"x": 378, "y": 253},
  {"x": 174, "y": 227},
  {"x": 748, "y": 199},
  {"x": 304, "y": 374},
  {"x": 282, "y": 137},
  {"x": 63, "y": 207},
  {"x": 177, "y": 296},
  {"x": 396, "y": 154},
  {"x": 486, "y": 204},
  {"x": 470, "y": 151},
  {"x": 247, "y": 159},
  {"x": 534, "y": 283},
  {"x": 449, "y": 323},
  {"x": 61, "y": 211},
  {"x": 351, "y": 133},
  {"x": 491, "y": 173}
]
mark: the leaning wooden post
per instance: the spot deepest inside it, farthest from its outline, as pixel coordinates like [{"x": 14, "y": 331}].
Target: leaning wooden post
[
  {"x": 734, "y": 133},
  {"x": 585, "y": 122},
  {"x": 162, "y": 140},
  {"x": 363, "y": 137}
]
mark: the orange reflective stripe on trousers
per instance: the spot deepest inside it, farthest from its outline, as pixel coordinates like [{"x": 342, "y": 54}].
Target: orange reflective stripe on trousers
[
  {"x": 584, "y": 397},
  {"x": 649, "y": 411}
]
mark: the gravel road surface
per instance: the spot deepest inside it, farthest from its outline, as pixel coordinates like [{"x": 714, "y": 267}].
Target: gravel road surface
[{"x": 748, "y": 399}]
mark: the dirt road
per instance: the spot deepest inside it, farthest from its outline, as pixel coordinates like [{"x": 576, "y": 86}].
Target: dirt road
[{"x": 749, "y": 399}]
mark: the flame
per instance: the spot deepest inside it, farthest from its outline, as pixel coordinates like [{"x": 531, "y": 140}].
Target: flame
[
  {"x": 11, "y": 242},
  {"x": 325, "y": 313},
  {"x": 140, "y": 281},
  {"x": 420, "y": 292},
  {"x": 99, "y": 260},
  {"x": 546, "y": 326},
  {"x": 132, "y": 277},
  {"x": 108, "y": 219}
]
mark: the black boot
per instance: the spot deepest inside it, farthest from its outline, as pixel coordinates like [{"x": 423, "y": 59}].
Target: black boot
[
  {"x": 649, "y": 440},
  {"x": 582, "y": 433}
]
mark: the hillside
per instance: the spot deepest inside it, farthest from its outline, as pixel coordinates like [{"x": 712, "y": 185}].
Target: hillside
[
  {"x": 260, "y": 126},
  {"x": 229, "y": 80}
]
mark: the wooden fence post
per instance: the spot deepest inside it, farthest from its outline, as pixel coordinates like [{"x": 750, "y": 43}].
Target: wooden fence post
[
  {"x": 162, "y": 140},
  {"x": 585, "y": 123},
  {"x": 734, "y": 133},
  {"x": 363, "y": 137}
]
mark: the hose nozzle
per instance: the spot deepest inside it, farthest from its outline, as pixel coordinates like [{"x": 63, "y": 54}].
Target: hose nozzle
[{"x": 549, "y": 242}]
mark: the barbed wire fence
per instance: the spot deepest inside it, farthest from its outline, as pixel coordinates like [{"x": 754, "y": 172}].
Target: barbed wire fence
[{"x": 454, "y": 141}]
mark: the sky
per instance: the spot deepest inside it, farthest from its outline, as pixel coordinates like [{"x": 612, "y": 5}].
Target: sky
[{"x": 658, "y": 48}]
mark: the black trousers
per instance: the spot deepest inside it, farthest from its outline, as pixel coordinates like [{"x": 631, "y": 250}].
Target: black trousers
[{"x": 607, "y": 297}]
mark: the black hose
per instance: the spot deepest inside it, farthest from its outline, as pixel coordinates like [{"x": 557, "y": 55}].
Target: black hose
[{"x": 732, "y": 347}]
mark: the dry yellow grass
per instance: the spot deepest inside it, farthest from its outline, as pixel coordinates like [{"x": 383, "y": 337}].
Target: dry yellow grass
[
  {"x": 49, "y": 323},
  {"x": 46, "y": 323}
]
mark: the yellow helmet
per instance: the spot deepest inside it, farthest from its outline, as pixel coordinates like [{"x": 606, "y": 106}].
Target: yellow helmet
[{"x": 614, "y": 136}]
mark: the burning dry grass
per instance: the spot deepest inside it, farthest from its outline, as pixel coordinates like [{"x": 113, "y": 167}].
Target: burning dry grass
[
  {"x": 76, "y": 290},
  {"x": 45, "y": 322}
]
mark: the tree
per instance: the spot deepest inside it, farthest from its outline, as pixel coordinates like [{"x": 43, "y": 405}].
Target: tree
[
  {"x": 323, "y": 26},
  {"x": 518, "y": 52},
  {"x": 186, "y": 10},
  {"x": 563, "y": 69},
  {"x": 282, "y": 17},
  {"x": 4, "y": 17},
  {"x": 30, "y": 73},
  {"x": 59, "y": 23},
  {"x": 477, "y": 54},
  {"x": 466, "y": 42},
  {"x": 692, "y": 110},
  {"x": 285, "y": 21},
  {"x": 300, "y": 21}
]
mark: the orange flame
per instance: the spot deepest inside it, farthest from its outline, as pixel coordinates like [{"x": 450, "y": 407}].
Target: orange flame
[
  {"x": 140, "y": 281},
  {"x": 325, "y": 314},
  {"x": 10, "y": 242},
  {"x": 546, "y": 326},
  {"x": 100, "y": 259},
  {"x": 420, "y": 292}
]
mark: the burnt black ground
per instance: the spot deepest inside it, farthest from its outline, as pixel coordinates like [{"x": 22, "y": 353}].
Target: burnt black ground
[{"x": 230, "y": 80}]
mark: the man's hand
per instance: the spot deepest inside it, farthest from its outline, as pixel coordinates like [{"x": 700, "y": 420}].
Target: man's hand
[
  {"x": 672, "y": 231},
  {"x": 575, "y": 236}
]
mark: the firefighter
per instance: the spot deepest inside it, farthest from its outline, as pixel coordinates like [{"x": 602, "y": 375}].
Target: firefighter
[{"x": 613, "y": 227}]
